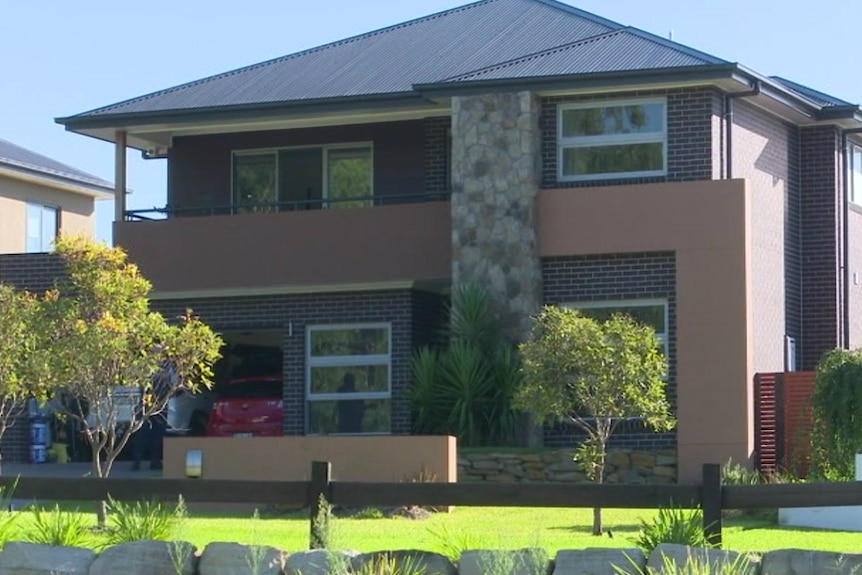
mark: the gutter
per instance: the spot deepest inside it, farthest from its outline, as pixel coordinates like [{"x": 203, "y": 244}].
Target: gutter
[{"x": 845, "y": 233}]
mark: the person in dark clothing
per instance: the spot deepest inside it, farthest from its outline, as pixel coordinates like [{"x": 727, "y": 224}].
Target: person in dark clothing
[
  {"x": 149, "y": 439},
  {"x": 350, "y": 411}
]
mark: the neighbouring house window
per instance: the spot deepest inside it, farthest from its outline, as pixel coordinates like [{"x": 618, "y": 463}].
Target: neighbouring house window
[
  {"x": 254, "y": 182},
  {"x": 612, "y": 139},
  {"x": 43, "y": 224},
  {"x": 855, "y": 175},
  {"x": 348, "y": 371},
  {"x": 303, "y": 178},
  {"x": 649, "y": 312}
]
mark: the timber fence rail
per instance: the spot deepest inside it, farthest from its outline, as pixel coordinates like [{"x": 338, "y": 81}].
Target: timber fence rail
[{"x": 710, "y": 495}]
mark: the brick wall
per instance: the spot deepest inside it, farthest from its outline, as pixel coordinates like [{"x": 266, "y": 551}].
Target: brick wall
[
  {"x": 33, "y": 272},
  {"x": 609, "y": 277},
  {"x": 291, "y": 314},
  {"x": 820, "y": 183},
  {"x": 765, "y": 152},
  {"x": 437, "y": 150},
  {"x": 691, "y": 155}
]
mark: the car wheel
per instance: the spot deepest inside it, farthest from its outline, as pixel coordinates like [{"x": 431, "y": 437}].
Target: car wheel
[{"x": 198, "y": 424}]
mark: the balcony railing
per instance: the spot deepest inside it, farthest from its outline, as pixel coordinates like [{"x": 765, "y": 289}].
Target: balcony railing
[{"x": 155, "y": 214}]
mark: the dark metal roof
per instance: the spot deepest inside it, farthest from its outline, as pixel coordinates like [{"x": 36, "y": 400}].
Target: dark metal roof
[
  {"x": 619, "y": 50},
  {"x": 387, "y": 61},
  {"x": 22, "y": 159},
  {"x": 819, "y": 98},
  {"x": 489, "y": 41}
]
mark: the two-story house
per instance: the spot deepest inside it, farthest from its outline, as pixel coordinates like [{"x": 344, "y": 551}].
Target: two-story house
[
  {"x": 39, "y": 197},
  {"x": 324, "y": 203}
]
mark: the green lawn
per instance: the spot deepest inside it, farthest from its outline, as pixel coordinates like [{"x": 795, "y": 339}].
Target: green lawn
[{"x": 552, "y": 529}]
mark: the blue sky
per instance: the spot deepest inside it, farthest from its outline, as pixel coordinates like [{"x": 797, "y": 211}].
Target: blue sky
[{"x": 62, "y": 58}]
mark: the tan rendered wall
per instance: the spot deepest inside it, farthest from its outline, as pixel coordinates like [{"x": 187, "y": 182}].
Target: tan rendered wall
[
  {"x": 379, "y": 458},
  {"x": 77, "y": 216},
  {"x": 707, "y": 224}
]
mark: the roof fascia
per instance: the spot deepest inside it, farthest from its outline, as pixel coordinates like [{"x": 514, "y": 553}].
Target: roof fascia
[
  {"x": 596, "y": 80},
  {"x": 56, "y": 182},
  {"x": 245, "y": 111}
]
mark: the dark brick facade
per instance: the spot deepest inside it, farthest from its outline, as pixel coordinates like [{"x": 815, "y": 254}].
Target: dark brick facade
[
  {"x": 32, "y": 272},
  {"x": 292, "y": 314},
  {"x": 691, "y": 155},
  {"x": 437, "y": 152},
  {"x": 616, "y": 277},
  {"x": 820, "y": 182}
]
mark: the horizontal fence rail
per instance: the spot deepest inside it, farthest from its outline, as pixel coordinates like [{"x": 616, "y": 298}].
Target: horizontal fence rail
[
  {"x": 711, "y": 496},
  {"x": 157, "y": 214}
]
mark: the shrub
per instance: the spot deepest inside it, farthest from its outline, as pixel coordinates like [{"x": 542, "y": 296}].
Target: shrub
[
  {"x": 452, "y": 543},
  {"x": 58, "y": 527},
  {"x": 386, "y": 564},
  {"x": 8, "y": 518},
  {"x": 733, "y": 473},
  {"x": 836, "y": 403},
  {"x": 696, "y": 565},
  {"x": 150, "y": 520},
  {"x": 672, "y": 525}
]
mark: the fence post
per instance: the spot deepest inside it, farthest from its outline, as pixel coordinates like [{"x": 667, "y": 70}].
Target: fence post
[
  {"x": 711, "y": 503},
  {"x": 318, "y": 503}
]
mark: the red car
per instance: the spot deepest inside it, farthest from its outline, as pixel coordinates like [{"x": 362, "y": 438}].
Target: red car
[{"x": 248, "y": 407}]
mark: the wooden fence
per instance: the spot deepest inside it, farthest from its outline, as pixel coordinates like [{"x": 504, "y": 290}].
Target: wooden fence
[{"x": 711, "y": 495}]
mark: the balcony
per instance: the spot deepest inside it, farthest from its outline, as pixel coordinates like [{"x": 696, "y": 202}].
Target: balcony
[{"x": 291, "y": 246}]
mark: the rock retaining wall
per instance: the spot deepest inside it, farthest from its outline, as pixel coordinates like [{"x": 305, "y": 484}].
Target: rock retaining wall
[
  {"x": 165, "y": 558},
  {"x": 622, "y": 466}
]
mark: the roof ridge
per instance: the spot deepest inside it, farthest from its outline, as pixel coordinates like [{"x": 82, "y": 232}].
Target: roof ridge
[
  {"x": 74, "y": 173},
  {"x": 582, "y": 13},
  {"x": 694, "y": 52},
  {"x": 539, "y": 54},
  {"x": 293, "y": 55}
]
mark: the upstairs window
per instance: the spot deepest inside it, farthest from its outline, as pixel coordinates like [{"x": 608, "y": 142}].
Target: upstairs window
[
  {"x": 43, "y": 224},
  {"x": 855, "y": 175},
  {"x": 612, "y": 139},
  {"x": 303, "y": 178}
]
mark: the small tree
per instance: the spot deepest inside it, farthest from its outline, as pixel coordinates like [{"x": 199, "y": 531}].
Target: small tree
[
  {"x": 836, "y": 405},
  {"x": 20, "y": 356},
  {"x": 111, "y": 356},
  {"x": 593, "y": 374}
]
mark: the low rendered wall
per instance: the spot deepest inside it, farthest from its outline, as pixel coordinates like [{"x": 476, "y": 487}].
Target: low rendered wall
[
  {"x": 152, "y": 557},
  {"x": 621, "y": 466},
  {"x": 372, "y": 458}
]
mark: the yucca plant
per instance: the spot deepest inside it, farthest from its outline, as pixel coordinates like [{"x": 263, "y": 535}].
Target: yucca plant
[
  {"x": 58, "y": 527},
  {"x": 466, "y": 389}
]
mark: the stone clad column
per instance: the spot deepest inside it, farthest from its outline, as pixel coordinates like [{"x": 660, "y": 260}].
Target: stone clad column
[{"x": 496, "y": 168}]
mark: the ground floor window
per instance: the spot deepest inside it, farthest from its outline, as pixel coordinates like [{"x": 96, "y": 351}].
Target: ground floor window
[
  {"x": 348, "y": 379},
  {"x": 649, "y": 312}
]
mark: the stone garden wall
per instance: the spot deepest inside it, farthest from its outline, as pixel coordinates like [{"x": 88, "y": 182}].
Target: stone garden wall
[
  {"x": 167, "y": 558},
  {"x": 622, "y": 466}
]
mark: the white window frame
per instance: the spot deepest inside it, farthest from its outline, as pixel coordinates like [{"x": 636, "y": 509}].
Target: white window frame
[
  {"x": 663, "y": 338},
  {"x": 564, "y": 143},
  {"x": 346, "y": 361},
  {"x": 854, "y": 195},
  {"x": 42, "y": 207},
  {"x": 324, "y": 172}
]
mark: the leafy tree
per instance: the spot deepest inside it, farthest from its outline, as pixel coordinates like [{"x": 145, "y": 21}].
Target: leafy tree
[
  {"x": 20, "y": 357},
  {"x": 112, "y": 360},
  {"x": 836, "y": 405},
  {"x": 595, "y": 375}
]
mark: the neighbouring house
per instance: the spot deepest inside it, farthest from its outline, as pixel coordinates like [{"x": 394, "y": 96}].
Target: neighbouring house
[
  {"x": 321, "y": 206},
  {"x": 41, "y": 197}
]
